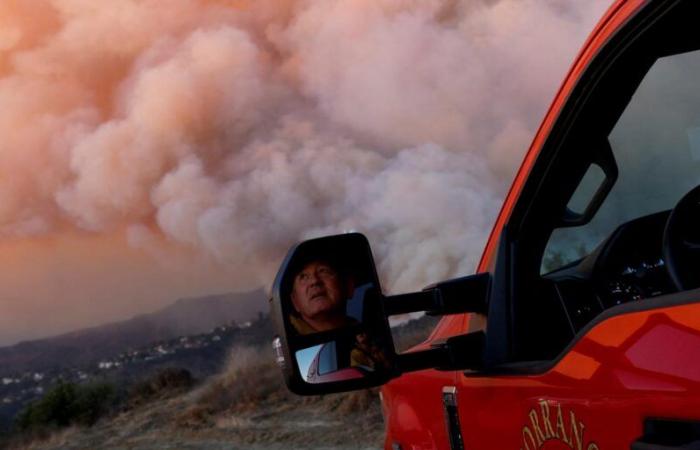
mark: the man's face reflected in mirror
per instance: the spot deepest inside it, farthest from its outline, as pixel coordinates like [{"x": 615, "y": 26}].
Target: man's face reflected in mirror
[{"x": 319, "y": 295}]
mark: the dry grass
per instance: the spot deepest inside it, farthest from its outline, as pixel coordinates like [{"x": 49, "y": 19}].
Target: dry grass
[
  {"x": 164, "y": 384},
  {"x": 413, "y": 332},
  {"x": 252, "y": 385},
  {"x": 41, "y": 440},
  {"x": 250, "y": 380}
]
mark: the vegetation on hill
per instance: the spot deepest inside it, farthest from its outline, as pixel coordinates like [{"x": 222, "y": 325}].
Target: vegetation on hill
[{"x": 68, "y": 404}]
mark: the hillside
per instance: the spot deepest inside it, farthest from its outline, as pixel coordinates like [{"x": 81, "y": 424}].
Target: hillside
[
  {"x": 245, "y": 406},
  {"x": 84, "y": 347}
]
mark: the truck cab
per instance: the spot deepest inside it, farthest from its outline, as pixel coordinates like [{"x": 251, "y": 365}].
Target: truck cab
[{"x": 581, "y": 327}]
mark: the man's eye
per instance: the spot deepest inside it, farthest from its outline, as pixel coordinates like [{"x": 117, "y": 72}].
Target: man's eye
[
  {"x": 326, "y": 271},
  {"x": 303, "y": 276}
]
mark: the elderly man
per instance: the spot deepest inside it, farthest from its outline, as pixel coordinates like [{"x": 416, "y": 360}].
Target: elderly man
[{"x": 319, "y": 295}]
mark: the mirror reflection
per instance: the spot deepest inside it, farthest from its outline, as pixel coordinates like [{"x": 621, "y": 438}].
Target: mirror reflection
[
  {"x": 332, "y": 312},
  {"x": 343, "y": 359},
  {"x": 321, "y": 288},
  {"x": 327, "y": 288}
]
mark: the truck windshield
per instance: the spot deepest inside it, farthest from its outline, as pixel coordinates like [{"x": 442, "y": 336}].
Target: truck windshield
[{"x": 656, "y": 144}]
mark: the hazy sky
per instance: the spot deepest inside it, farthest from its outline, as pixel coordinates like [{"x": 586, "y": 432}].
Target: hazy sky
[
  {"x": 53, "y": 284},
  {"x": 154, "y": 151}
]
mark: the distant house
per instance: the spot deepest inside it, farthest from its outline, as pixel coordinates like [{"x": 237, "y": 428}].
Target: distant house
[{"x": 105, "y": 365}]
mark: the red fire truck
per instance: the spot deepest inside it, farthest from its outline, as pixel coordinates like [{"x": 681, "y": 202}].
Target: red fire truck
[{"x": 581, "y": 328}]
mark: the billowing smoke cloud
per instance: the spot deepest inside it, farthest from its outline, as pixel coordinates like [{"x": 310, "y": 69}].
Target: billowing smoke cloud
[{"x": 237, "y": 128}]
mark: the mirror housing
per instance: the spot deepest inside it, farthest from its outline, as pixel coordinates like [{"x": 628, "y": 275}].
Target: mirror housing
[
  {"x": 331, "y": 319},
  {"x": 326, "y": 299}
]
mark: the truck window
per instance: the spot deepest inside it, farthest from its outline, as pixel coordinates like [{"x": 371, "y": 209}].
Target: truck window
[
  {"x": 656, "y": 143},
  {"x": 635, "y": 112}
]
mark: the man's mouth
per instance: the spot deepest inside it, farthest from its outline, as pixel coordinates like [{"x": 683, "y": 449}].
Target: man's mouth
[{"x": 317, "y": 294}]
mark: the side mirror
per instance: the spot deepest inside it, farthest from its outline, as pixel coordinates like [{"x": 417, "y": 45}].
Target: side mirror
[
  {"x": 332, "y": 325},
  {"x": 327, "y": 305}
]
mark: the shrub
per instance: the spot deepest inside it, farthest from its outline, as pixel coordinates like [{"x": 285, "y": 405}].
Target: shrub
[
  {"x": 92, "y": 402},
  {"x": 67, "y": 404}
]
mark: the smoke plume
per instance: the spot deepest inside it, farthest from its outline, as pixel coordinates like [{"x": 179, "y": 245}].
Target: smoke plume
[{"x": 236, "y": 128}]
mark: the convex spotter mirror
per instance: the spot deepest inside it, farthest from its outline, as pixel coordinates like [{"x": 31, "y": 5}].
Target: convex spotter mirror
[{"x": 327, "y": 308}]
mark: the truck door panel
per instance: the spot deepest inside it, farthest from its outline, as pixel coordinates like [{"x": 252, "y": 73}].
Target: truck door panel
[{"x": 625, "y": 370}]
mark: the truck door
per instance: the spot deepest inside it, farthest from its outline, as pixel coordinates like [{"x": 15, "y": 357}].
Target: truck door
[
  {"x": 593, "y": 333},
  {"x": 632, "y": 381}
]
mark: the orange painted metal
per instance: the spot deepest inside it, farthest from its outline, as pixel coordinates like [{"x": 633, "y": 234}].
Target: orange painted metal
[{"x": 626, "y": 369}]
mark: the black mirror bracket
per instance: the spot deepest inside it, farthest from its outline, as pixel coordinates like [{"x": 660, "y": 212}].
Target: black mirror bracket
[
  {"x": 460, "y": 295},
  {"x": 456, "y": 296},
  {"x": 462, "y": 352}
]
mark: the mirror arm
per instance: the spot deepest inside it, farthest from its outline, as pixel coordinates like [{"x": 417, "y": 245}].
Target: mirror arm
[
  {"x": 462, "y": 352},
  {"x": 408, "y": 303},
  {"x": 460, "y": 295},
  {"x": 424, "y": 359}
]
